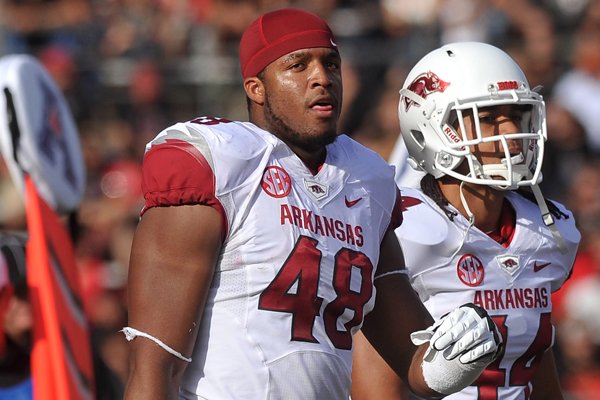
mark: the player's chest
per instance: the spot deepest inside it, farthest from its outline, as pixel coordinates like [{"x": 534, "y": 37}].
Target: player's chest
[
  {"x": 480, "y": 263},
  {"x": 284, "y": 207},
  {"x": 504, "y": 280}
]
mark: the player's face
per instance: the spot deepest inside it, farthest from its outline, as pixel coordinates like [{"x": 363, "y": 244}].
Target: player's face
[
  {"x": 495, "y": 121},
  {"x": 303, "y": 97}
]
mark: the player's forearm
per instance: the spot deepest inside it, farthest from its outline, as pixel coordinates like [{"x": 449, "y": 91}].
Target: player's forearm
[
  {"x": 546, "y": 383},
  {"x": 135, "y": 391},
  {"x": 416, "y": 381},
  {"x": 151, "y": 383},
  {"x": 388, "y": 329}
]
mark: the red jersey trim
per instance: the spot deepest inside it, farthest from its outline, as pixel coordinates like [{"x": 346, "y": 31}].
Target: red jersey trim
[
  {"x": 397, "y": 217},
  {"x": 508, "y": 221},
  {"x": 175, "y": 173}
]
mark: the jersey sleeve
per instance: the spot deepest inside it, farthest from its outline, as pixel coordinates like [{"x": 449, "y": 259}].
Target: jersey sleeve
[
  {"x": 397, "y": 217},
  {"x": 176, "y": 173}
]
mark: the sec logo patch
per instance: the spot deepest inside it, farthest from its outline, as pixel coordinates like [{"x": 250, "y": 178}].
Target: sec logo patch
[
  {"x": 276, "y": 182},
  {"x": 470, "y": 270}
]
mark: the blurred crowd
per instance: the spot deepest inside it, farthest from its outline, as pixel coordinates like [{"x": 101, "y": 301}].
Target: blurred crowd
[{"x": 130, "y": 68}]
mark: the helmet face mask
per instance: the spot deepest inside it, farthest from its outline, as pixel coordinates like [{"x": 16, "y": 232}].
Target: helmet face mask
[{"x": 468, "y": 79}]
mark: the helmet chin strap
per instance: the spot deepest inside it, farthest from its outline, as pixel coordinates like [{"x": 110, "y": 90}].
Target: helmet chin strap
[
  {"x": 519, "y": 171},
  {"x": 463, "y": 201},
  {"x": 548, "y": 218}
]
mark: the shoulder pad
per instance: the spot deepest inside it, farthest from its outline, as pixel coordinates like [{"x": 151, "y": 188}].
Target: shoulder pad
[
  {"x": 567, "y": 226},
  {"x": 423, "y": 222}
]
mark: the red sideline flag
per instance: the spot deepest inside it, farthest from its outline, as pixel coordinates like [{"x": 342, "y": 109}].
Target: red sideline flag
[{"x": 61, "y": 359}]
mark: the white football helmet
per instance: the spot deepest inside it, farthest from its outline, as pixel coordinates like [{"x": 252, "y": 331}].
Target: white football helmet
[{"x": 461, "y": 77}]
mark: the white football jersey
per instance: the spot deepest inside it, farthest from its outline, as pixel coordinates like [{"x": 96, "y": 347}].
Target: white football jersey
[
  {"x": 295, "y": 277},
  {"x": 513, "y": 283}
]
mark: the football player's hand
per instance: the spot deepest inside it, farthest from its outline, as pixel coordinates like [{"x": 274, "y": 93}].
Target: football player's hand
[
  {"x": 467, "y": 332},
  {"x": 461, "y": 345}
]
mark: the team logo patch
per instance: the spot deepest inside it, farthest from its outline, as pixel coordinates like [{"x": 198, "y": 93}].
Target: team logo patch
[
  {"x": 276, "y": 182},
  {"x": 508, "y": 263},
  {"x": 470, "y": 270},
  {"x": 316, "y": 189},
  {"x": 424, "y": 85}
]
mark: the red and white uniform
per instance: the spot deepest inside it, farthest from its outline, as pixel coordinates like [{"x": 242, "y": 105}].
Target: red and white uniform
[
  {"x": 294, "y": 279},
  {"x": 512, "y": 282}
]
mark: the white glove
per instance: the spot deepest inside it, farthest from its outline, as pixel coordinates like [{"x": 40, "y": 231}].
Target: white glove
[{"x": 461, "y": 345}]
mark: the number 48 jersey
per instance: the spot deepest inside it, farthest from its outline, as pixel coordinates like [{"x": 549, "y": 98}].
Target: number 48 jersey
[
  {"x": 295, "y": 277},
  {"x": 450, "y": 264}
]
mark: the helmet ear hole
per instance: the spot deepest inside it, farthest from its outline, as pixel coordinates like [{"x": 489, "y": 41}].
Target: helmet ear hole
[{"x": 418, "y": 138}]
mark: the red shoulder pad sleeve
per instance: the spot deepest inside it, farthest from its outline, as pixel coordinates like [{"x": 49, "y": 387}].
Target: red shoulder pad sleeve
[{"x": 175, "y": 173}]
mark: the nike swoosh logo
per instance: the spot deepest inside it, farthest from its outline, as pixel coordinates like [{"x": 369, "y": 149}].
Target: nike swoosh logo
[
  {"x": 351, "y": 203},
  {"x": 538, "y": 267}
]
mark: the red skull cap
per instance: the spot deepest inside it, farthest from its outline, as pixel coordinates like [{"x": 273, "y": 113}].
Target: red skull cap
[{"x": 280, "y": 32}]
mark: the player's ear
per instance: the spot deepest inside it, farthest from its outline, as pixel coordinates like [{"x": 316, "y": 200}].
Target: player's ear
[{"x": 255, "y": 89}]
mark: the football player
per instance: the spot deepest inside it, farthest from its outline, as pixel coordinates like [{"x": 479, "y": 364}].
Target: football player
[
  {"x": 264, "y": 246},
  {"x": 479, "y": 229}
]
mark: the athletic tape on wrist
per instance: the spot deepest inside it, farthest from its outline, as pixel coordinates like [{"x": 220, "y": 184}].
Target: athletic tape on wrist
[
  {"x": 450, "y": 376},
  {"x": 132, "y": 333},
  {"x": 443, "y": 375}
]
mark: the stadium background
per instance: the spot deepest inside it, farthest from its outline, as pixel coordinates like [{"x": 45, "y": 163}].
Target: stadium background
[{"x": 129, "y": 68}]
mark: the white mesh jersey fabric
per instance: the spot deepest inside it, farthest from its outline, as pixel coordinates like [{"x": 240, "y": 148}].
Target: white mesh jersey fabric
[
  {"x": 295, "y": 276},
  {"x": 513, "y": 284}
]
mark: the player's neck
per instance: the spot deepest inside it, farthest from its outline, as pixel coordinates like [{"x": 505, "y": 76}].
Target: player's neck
[
  {"x": 312, "y": 157},
  {"x": 484, "y": 203}
]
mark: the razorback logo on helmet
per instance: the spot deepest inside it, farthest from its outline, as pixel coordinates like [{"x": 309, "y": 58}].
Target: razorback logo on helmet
[{"x": 424, "y": 85}]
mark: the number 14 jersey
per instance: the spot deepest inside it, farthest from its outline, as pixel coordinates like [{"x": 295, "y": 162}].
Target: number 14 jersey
[{"x": 450, "y": 264}]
